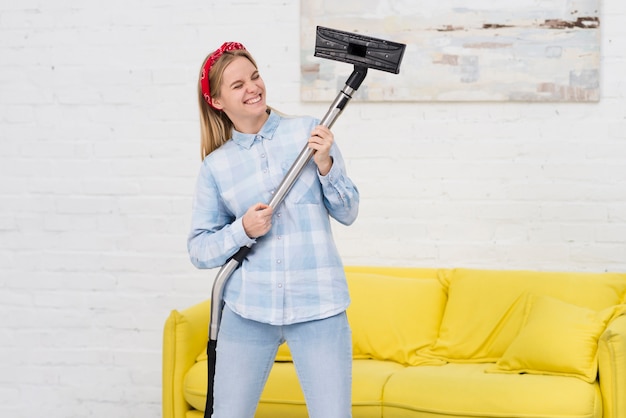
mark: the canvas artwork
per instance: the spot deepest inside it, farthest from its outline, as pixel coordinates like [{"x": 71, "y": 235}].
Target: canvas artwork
[{"x": 463, "y": 50}]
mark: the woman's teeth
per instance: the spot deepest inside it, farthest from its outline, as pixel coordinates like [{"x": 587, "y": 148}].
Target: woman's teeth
[{"x": 254, "y": 100}]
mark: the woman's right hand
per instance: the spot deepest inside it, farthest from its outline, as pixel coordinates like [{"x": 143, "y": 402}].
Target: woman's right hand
[{"x": 257, "y": 221}]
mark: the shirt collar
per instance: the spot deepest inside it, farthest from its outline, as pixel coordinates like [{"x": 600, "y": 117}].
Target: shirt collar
[{"x": 266, "y": 132}]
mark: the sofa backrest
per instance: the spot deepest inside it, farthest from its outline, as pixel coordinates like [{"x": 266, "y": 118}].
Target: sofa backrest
[
  {"x": 423, "y": 315},
  {"x": 485, "y": 308}
]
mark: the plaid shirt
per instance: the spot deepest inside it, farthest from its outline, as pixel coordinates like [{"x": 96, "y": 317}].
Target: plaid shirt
[{"x": 294, "y": 272}]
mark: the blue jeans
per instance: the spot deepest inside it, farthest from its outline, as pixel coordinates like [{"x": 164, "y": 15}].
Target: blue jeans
[{"x": 322, "y": 355}]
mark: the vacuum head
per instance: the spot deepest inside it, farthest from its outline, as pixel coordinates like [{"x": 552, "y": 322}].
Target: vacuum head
[{"x": 360, "y": 50}]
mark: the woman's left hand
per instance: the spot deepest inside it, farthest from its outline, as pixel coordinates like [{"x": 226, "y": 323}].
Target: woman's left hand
[{"x": 321, "y": 140}]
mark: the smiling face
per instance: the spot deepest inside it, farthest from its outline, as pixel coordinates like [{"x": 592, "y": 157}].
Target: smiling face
[{"x": 242, "y": 95}]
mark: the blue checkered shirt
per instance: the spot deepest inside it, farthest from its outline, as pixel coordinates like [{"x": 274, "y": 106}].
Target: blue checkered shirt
[{"x": 294, "y": 272}]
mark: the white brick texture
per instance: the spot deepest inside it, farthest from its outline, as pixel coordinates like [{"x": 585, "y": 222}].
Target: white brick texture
[{"x": 99, "y": 153}]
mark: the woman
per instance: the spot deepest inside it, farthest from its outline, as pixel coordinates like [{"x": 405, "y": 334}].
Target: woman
[{"x": 291, "y": 287}]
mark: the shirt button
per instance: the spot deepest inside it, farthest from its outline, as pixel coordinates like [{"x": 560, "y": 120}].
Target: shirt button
[
  {"x": 278, "y": 261},
  {"x": 279, "y": 237},
  {"x": 262, "y": 155},
  {"x": 280, "y": 285}
]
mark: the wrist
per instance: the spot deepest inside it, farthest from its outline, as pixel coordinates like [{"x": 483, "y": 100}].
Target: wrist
[{"x": 325, "y": 166}]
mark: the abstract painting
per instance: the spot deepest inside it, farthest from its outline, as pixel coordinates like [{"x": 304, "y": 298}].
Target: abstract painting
[{"x": 463, "y": 50}]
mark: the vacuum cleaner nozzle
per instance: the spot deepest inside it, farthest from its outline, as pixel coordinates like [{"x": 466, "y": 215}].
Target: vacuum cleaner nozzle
[{"x": 359, "y": 50}]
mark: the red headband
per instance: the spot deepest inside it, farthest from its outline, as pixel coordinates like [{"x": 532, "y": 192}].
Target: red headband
[{"x": 204, "y": 78}]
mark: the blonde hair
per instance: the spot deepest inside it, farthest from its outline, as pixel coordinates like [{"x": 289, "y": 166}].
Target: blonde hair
[{"x": 215, "y": 127}]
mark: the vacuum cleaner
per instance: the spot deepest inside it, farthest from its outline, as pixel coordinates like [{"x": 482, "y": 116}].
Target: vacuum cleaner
[{"x": 363, "y": 52}]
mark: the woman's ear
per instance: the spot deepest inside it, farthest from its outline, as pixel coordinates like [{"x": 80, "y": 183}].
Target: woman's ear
[{"x": 217, "y": 104}]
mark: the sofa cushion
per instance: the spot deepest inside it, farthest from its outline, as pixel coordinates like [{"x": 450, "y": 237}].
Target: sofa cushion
[
  {"x": 465, "y": 390},
  {"x": 195, "y": 384},
  {"x": 393, "y": 317},
  {"x": 282, "y": 395},
  {"x": 557, "y": 338},
  {"x": 483, "y": 315}
]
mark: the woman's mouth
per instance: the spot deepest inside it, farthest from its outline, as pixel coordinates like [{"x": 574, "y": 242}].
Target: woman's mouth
[{"x": 253, "y": 100}]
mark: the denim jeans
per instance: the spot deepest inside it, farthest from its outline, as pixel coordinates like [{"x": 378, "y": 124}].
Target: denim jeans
[{"x": 322, "y": 355}]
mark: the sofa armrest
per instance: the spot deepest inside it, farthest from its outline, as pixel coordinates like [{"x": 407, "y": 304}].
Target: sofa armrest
[
  {"x": 185, "y": 335},
  {"x": 612, "y": 368}
]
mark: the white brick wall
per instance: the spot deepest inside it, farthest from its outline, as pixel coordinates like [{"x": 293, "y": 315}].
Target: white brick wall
[{"x": 99, "y": 151}]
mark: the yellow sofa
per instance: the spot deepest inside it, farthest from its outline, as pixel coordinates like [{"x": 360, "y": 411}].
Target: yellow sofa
[{"x": 448, "y": 343}]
